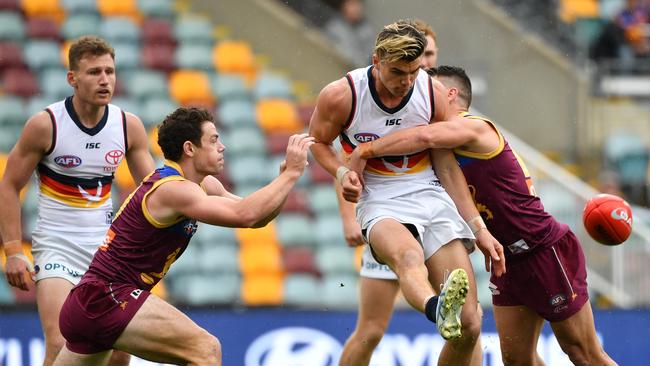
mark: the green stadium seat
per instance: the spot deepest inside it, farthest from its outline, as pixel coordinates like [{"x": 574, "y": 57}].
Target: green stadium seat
[
  {"x": 272, "y": 86},
  {"x": 229, "y": 87},
  {"x": 146, "y": 84},
  {"x": 79, "y": 6},
  {"x": 156, "y": 8},
  {"x": 302, "y": 290},
  {"x": 156, "y": 110},
  {"x": 210, "y": 235},
  {"x": 127, "y": 56},
  {"x": 193, "y": 29},
  {"x": 329, "y": 229},
  {"x": 237, "y": 113},
  {"x": 193, "y": 56},
  {"x": 12, "y": 26},
  {"x": 244, "y": 141},
  {"x": 42, "y": 54},
  {"x": 339, "y": 291},
  {"x": 295, "y": 230},
  {"x": 322, "y": 199},
  {"x": 128, "y": 105},
  {"x": 219, "y": 258},
  {"x": 335, "y": 258},
  {"x": 119, "y": 29},
  {"x": 9, "y": 135},
  {"x": 6, "y": 295},
  {"x": 54, "y": 85},
  {"x": 36, "y": 104},
  {"x": 252, "y": 170},
  {"x": 202, "y": 289},
  {"x": 12, "y": 112},
  {"x": 80, "y": 24}
]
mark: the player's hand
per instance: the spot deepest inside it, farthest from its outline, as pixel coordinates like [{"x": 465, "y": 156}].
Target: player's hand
[
  {"x": 297, "y": 148},
  {"x": 495, "y": 261},
  {"x": 352, "y": 233},
  {"x": 351, "y": 187},
  {"x": 356, "y": 163},
  {"x": 18, "y": 270}
]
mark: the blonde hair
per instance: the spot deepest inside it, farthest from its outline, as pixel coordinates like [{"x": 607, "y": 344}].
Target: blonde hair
[
  {"x": 88, "y": 45},
  {"x": 400, "y": 41}
]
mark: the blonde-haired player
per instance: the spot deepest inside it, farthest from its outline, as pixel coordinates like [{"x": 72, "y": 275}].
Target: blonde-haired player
[{"x": 406, "y": 216}]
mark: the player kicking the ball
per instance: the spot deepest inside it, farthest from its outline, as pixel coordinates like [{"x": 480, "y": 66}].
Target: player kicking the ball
[{"x": 546, "y": 277}]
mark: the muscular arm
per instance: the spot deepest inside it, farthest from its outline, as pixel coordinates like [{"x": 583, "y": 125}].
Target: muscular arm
[
  {"x": 32, "y": 145},
  {"x": 332, "y": 110},
  {"x": 189, "y": 199},
  {"x": 137, "y": 156},
  {"x": 454, "y": 182}
]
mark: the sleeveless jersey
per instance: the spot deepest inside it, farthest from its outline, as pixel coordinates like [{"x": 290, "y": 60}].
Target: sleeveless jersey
[
  {"x": 505, "y": 197},
  {"x": 389, "y": 176},
  {"x": 138, "y": 249},
  {"x": 75, "y": 175}
]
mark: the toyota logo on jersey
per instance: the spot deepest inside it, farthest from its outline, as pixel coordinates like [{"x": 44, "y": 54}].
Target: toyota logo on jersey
[{"x": 114, "y": 157}]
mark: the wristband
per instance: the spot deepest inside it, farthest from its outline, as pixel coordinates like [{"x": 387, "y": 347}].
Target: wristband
[
  {"x": 476, "y": 224},
  {"x": 365, "y": 150},
  {"x": 23, "y": 258},
  {"x": 340, "y": 173},
  {"x": 13, "y": 250}
]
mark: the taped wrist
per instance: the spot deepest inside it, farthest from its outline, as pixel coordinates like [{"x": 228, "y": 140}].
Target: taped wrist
[
  {"x": 340, "y": 173},
  {"x": 476, "y": 224}
]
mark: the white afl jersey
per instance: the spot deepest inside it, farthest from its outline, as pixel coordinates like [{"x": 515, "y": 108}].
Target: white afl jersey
[
  {"x": 389, "y": 176},
  {"x": 76, "y": 174}
]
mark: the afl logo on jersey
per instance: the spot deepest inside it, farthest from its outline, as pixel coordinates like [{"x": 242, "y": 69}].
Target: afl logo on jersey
[
  {"x": 114, "y": 157},
  {"x": 68, "y": 161},
  {"x": 365, "y": 137}
]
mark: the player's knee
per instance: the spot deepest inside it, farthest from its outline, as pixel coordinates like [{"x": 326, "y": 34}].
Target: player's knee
[
  {"x": 208, "y": 350},
  {"x": 409, "y": 258},
  {"x": 54, "y": 343},
  {"x": 119, "y": 358},
  {"x": 371, "y": 334},
  {"x": 578, "y": 353},
  {"x": 471, "y": 326}
]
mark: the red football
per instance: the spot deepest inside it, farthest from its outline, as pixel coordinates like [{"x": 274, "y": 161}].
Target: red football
[{"x": 608, "y": 219}]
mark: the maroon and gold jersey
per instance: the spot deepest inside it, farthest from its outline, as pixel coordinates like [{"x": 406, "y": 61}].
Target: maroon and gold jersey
[
  {"x": 505, "y": 197},
  {"x": 138, "y": 249}
]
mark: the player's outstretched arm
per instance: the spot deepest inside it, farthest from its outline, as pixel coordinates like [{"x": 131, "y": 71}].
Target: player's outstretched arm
[
  {"x": 32, "y": 145},
  {"x": 189, "y": 199},
  {"x": 137, "y": 154},
  {"x": 454, "y": 182}
]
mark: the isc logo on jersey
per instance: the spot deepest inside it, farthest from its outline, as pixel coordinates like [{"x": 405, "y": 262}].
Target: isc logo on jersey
[
  {"x": 294, "y": 346},
  {"x": 68, "y": 161},
  {"x": 365, "y": 137}
]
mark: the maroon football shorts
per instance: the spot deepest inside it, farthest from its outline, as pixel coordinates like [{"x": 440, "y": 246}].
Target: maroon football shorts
[
  {"x": 551, "y": 282},
  {"x": 96, "y": 313}
]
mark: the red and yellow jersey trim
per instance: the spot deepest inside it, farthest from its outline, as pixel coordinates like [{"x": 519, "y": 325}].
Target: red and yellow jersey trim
[
  {"x": 482, "y": 156},
  {"x": 410, "y": 164},
  {"x": 74, "y": 196}
]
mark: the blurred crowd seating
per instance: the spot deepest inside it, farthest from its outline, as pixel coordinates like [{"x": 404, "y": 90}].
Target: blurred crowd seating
[{"x": 166, "y": 57}]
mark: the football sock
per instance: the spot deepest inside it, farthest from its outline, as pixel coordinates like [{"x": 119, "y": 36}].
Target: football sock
[{"x": 430, "y": 308}]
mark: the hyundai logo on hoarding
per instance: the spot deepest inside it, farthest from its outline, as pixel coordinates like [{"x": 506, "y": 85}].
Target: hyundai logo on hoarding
[{"x": 294, "y": 346}]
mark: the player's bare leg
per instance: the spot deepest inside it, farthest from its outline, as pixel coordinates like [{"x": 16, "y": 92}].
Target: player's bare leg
[
  {"x": 460, "y": 351},
  {"x": 394, "y": 244},
  {"x": 577, "y": 337},
  {"x": 161, "y": 333},
  {"x": 519, "y": 328},
  {"x": 69, "y": 358},
  {"x": 50, "y": 296},
  {"x": 376, "y": 301}
]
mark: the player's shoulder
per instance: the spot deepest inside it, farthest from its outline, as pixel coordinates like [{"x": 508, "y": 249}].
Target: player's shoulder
[{"x": 335, "y": 93}]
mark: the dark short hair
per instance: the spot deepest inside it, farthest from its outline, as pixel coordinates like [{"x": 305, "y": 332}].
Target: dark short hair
[
  {"x": 183, "y": 124},
  {"x": 88, "y": 45},
  {"x": 460, "y": 78}
]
